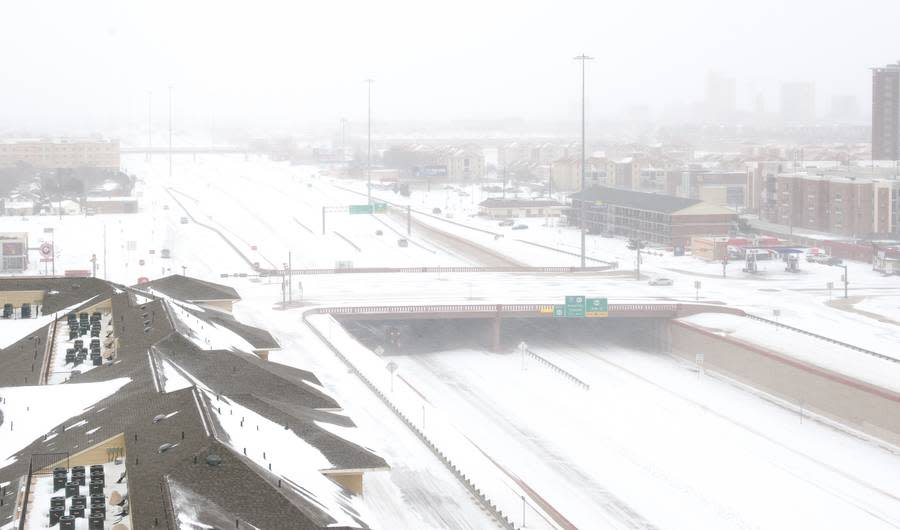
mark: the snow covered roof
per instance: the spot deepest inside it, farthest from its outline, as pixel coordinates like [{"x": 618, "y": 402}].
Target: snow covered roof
[
  {"x": 190, "y": 289},
  {"x": 272, "y": 428},
  {"x": 518, "y": 203},
  {"x": 635, "y": 199}
]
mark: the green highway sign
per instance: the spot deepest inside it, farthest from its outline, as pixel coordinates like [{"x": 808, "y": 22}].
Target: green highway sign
[
  {"x": 559, "y": 310},
  {"x": 377, "y": 207},
  {"x": 574, "y": 306},
  {"x": 596, "y": 307},
  {"x": 360, "y": 209}
]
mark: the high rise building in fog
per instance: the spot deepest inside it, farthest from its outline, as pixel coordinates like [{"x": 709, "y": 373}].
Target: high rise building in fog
[
  {"x": 720, "y": 97},
  {"x": 798, "y": 102},
  {"x": 886, "y": 112}
]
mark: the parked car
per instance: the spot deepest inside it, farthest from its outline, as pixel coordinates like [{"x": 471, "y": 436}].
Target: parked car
[
  {"x": 436, "y": 211},
  {"x": 379, "y": 233},
  {"x": 507, "y": 222},
  {"x": 402, "y": 243},
  {"x": 184, "y": 220},
  {"x": 834, "y": 261},
  {"x": 661, "y": 281},
  {"x": 520, "y": 227}
]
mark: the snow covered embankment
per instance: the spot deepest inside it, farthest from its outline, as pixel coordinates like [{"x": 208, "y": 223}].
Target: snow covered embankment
[{"x": 484, "y": 478}]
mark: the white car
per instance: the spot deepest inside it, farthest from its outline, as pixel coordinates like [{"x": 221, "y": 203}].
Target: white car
[{"x": 661, "y": 281}]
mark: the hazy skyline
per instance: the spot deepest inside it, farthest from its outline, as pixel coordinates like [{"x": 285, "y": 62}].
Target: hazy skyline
[{"x": 93, "y": 62}]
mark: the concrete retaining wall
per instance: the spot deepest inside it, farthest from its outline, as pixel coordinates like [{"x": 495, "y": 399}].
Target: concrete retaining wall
[{"x": 856, "y": 404}]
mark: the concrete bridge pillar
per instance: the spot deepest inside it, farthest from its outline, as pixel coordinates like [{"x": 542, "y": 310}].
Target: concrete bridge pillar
[{"x": 495, "y": 329}]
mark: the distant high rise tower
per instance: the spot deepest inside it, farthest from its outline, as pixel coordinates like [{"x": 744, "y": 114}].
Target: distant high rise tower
[
  {"x": 720, "y": 97},
  {"x": 798, "y": 102},
  {"x": 886, "y": 112}
]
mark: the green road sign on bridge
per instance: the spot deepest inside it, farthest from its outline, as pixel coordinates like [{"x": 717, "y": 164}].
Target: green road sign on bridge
[
  {"x": 579, "y": 306},
  {"x": 574, "y": 306},
  {"x": 596, "y": 307},
  {"x": 378, "y": 207}
]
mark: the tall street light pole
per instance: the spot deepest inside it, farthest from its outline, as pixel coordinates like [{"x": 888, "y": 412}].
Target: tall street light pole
[
  {"x": 170, "y": 130},
  {"x": 149, "y": 124},
  {"x": 584, "y": 59},
  {"x": 369, "y": 146}
]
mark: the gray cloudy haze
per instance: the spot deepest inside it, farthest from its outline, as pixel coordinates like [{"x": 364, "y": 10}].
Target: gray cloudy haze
[{"x": 93, "y": 62}]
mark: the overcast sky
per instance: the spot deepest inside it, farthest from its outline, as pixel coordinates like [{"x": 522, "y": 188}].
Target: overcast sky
[{"x": 95, "y": 60}]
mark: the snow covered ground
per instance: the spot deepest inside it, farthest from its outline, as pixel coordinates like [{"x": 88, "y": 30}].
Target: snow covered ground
[
  {"x": 658, "y": 471},
  {"x": 652, "y": 445}
]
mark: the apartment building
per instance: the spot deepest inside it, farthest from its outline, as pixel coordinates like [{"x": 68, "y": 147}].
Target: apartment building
[
  {"x": 60, "y": 153},
  {"x": 838, "y": 204}
]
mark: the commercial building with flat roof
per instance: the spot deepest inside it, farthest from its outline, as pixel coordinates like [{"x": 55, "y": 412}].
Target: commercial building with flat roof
[{"x": 656, "y": 218}]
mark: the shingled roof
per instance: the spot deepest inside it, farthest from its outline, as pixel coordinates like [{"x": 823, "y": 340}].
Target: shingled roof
[
  {"x": 639, "y": 200},
  {"x": 197, "y": 421},
  {"x": 189, "y": 289}
]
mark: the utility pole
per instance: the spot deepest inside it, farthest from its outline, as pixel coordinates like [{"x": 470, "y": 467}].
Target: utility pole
[
  {"x": 637, "y": 269},
  {"x": 290, "y": 280},
  {"x": 343, "y": 139},
  {"x": 583, "y": 58},
  {"x": 105, "y": 261},
  {"x": 149, "y": 124},
  {"x": 846, "y": 280},
  {"x": 369, "y": 146},
  {"x": 170, "y": 130}
]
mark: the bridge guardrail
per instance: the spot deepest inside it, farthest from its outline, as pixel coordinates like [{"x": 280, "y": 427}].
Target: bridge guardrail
[
  {"x": 827, "y": 339},
  {"x": 663, "y": 309}
]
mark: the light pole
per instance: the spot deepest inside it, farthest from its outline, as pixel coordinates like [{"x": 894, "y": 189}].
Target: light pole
[
  {"x": 846, "y": 280},
  {"x": 523, "y": 348},
  {"x": 170, "y": 130},
  {"x": 149, "y": 124},
  {"x": 369, "y": 145},
  {"x": 583, "y": 58}
]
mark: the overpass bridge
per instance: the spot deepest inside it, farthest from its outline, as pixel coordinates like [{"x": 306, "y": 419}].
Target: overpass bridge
[{"x": 496, "y": 313}]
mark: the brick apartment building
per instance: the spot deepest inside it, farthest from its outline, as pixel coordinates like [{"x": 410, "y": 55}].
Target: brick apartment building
[
  {"x": 838, "y": 204},
  {"x": 60, "y": 153},
  {"x": 656, "y": 218}
]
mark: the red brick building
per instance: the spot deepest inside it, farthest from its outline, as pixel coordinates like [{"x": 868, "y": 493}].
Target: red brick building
[{"x": 651, "y": 217}]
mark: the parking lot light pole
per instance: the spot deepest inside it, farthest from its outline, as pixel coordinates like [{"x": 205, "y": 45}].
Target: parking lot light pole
[
  {"x": 846, "y": 280},
  {"x": 583, "y": 58},
  {"x": 369, "y": 145}
]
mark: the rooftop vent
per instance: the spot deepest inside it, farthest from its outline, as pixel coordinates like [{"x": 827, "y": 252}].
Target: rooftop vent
[
  {"x": 158, "y": 418},
  {"x": 165, "y": 447},
  {"x": 213, "y": 460}
]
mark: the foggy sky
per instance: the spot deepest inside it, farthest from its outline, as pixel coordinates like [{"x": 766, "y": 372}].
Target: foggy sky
[{"x": 93, "y": 61}]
